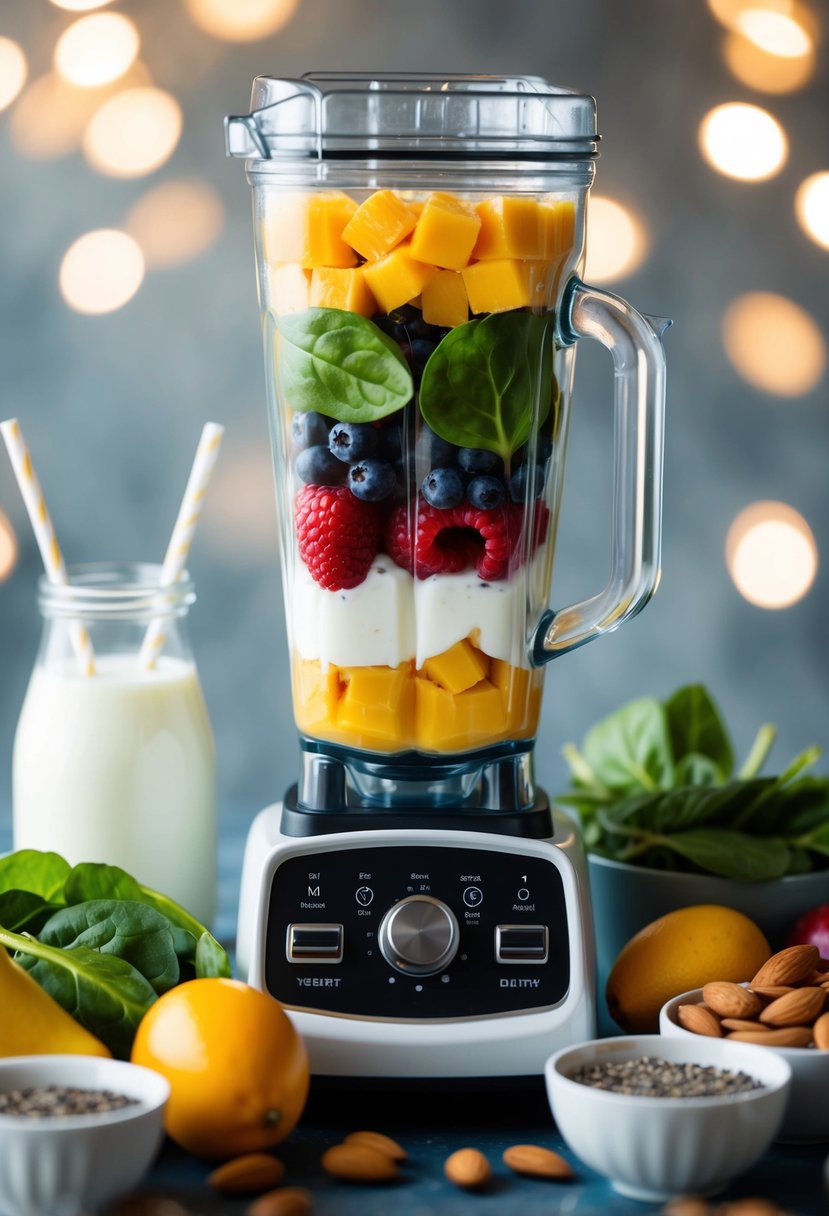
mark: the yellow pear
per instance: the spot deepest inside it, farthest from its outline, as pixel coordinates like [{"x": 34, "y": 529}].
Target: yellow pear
[{"x": 33, "y": 1024}]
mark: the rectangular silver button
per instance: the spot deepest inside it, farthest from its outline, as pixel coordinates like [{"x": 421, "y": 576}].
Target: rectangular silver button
[
  {"x": 522, "y": 943},
  {"x": 314, "y": 944}
]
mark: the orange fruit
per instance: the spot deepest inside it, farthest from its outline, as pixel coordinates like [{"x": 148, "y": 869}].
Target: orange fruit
[
  {"x": 684, "y": 949},
  {"x": 237, "y": 1068}
]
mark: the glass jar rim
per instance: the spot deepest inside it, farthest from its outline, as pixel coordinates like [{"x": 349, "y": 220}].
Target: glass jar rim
[{"x": 115, "y": 590}]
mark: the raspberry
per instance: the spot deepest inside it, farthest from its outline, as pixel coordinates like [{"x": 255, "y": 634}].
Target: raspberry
[{"x": 338, "y": 536}]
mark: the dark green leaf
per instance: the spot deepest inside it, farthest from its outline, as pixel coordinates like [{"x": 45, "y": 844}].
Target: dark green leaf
[
  {"x": 732, "y": 854},
  {"x": 21, "y": 910},
  {"x": 211, "y": 958},
  {"x": 39, "y": 873},
  {"x": 631, "y": 750},
  {"x": 489, "y": 383},
  {"x": 123, "y": 928},
  {"x": 695, "y": 726},
  {"x": 341, "y": 364},
  {"x": 675, "y": 810},
  {"x": 694, "y": 769},
  {"x": 817, "y": 840}
]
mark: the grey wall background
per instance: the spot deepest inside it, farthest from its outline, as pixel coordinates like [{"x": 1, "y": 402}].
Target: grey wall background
[{"x": 112, "y": 406}]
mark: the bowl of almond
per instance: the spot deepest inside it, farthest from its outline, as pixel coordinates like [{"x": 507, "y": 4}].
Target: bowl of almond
[{"x": 784, "y": 1008}]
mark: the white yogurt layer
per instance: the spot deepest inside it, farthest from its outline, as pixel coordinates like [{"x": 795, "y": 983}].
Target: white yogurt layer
[{"x": 392, "y": 617}]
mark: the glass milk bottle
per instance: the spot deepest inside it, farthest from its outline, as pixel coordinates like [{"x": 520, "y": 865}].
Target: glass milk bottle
[{"x": 119, "y": 766}]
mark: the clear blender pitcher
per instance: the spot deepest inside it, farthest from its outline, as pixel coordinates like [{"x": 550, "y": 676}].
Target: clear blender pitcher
[{"x": 418, "y": 244}]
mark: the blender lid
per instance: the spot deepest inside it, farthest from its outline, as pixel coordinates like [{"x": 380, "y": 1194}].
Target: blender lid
[{"x": 331, "y": 115}]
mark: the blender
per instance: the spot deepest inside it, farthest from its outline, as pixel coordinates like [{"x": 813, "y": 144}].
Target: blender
[{"x": 414, "y": 901}]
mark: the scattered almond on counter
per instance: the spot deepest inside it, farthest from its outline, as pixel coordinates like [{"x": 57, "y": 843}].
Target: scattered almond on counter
[
  {"x": 252, "y": 1172},
  {"x": 468, "y": 1168},
  {"x": 287, "y": 1201},
  {"x": 376, "y": 1140},
  {"x": 691, "y": 1205},
  {"x": 357, "y": 1162},
  {"x": 537, "y": 1162}
]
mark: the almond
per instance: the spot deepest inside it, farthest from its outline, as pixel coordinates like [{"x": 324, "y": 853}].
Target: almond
[
  {"x": 820, "y": 1032},
  {"x": 536, "y": 1161},
  {"x": 771, "y": 993},
  {"x": 787, "y": 966},
  {"x": 376, "y": 1140},
  {"x": 359, "y": 1163},
  {"x": 798, "y": 1008},
  {"x": 687, "y": 1205},
  {"x": 699, "y": 1021},
  {"x": 740, "y": 1024},
  {"x": 752, "y": 1207},
  {"x": 252, "y": 1172},
  {"x": 287, "y": 1201},
  {"x": 730, "y": 1000},
  {"x": 468, "y": 1168},
  {"x": 787, "y": 1036}
]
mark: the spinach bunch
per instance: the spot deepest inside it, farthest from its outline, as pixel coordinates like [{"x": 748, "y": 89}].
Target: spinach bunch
[
  {"x": 101, "y": 944},
  {"x": 655, "y": 785}
]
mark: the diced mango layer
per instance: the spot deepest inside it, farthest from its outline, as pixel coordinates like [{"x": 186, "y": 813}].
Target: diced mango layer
[
  {"x": 378, "y": 224},
  {"x": 444, "y": 300},
  {"x": 444, "y": 722},
  {"x": 377, "y": 705},
  {"x": 290, "y": 288},
  {"x": 446, "y": 232},
  {"x": 458, "y": 668},
  {"x": 397, "y": 278},
  {"x": 498, "y": 285},
  {"x": 316, "y": 695},
  {"x": 521, "y": 693},
  {"x": 332, "y": 287},
  {"x": 308, "y": 229},
  {"x": 510, "y": 228},
  {"x": 558, "y": 229}
]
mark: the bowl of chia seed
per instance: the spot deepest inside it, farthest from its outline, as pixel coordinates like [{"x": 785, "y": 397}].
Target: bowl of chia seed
[
  {"x": 660, "y": 1117},
  {"x": 75, "y": 1131}
]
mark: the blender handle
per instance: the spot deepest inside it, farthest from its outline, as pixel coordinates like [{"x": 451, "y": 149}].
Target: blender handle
[{"x": 635, "y": 345}]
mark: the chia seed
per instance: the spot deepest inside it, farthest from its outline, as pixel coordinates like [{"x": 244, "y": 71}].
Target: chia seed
[
  {"x": 652, "y": 1077},
  {"x": 58, "y": 1101}
]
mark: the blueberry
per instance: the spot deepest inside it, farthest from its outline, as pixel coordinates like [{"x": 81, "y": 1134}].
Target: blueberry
[
  {"x": 371, "y": 480},
  {"x": 352, "y": 441},
  {"x": 319, "y": 467},
  {"x": 518, "y": 483},
  {"x": 543, "y": 450},
  {"x": 478, "y": 460},
  {"x": 388, "y": 325},
  {"x": 309, "y": 429},
  {"x": 443, "y": 488},
  {"x": 485, "y": 492},
  {"x": 422, "y": 350},
  {"x": 438, "y": 451},
  {"x": 390, "y": 442}
]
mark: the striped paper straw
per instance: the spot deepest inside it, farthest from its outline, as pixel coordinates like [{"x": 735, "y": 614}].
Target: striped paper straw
[
  {"x": 179, "y": 547},
  {"x": 44, "y": 532}
]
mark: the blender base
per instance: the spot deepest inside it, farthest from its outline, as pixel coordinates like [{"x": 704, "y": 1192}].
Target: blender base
[{"x": 312, "y": 917}]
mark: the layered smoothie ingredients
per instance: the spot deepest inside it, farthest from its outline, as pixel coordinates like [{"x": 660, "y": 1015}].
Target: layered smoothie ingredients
[{"x": 413, "y": 369}]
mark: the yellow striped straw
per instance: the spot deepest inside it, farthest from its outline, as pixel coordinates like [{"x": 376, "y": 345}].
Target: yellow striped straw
[
  {"x": 44, "y": 532},
  {"x": 179, "y": 547}
]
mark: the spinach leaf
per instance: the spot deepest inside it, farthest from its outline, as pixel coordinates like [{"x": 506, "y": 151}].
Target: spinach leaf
[
  {"x": 210, "y": 957},
  {"x": 694, "y": 769},
  {"x": 94, "y": 880},
  {"x": 102, "y": 992},
  {"x": 490, "y": 381},
  {"x": 676, "y": 810},
  {"x": 696, "y": 726},
  {"x": 631, "y": 749},
  {"x": 340, "y": 364},
  {"x": 39, "y": 873},
  {"x": 732, "y": 854},
  {"x": 129, "y": 930},
  {"x": 21, "y": 910}
]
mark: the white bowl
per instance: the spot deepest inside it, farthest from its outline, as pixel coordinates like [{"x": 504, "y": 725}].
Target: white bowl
[
  {"x": 653, "y": 1148},
  {"x": 74, "y": 1163},
  {"x": 807, "y": 1112}
]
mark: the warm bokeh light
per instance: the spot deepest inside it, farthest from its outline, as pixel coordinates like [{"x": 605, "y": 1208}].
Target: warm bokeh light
[
  {"x": 241, "y": 20},
  {"x": 101, "y": 271},
  {"x": 776, "y": 32},
  {"x": 96, "y": 49},
  {"x": 728, "y": 11},
  {"x": 176, "y": 221},
  {"x": 743, "y": 141},
  {"x": 766, "y": 73},
  {"x": 774, "y": 343},
  {"x": 80, "y": 6},
  {"x": 616, "y": 243},
  {"x": 13, "y": 70},
  {"x": 51, "y": 114},
  {"x": 8, "y": 547},
  {"x": 133, "y": 133},
  {"x": 771, "y": 554},
  {"x": 811, "y": 206}
]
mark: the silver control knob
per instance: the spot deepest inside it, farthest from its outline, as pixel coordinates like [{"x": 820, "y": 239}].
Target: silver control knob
[{"x": 419, "y": 935}]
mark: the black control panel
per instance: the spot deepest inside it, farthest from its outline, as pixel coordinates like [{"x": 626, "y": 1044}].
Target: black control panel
[{"x": 425, "y": 932}]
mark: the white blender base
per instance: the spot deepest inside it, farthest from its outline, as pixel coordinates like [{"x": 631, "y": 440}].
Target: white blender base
[{"x": 511, "y": 1044}]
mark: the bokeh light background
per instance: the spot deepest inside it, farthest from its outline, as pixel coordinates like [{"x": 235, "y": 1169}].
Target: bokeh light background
[{"x": 128, "y": 318}]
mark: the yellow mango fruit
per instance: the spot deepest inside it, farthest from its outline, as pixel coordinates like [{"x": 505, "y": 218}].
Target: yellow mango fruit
[
  {"x": 458, "y": 668},
  {"x": 498, "y": 285},
  {"x": 445, "y": 722},
  {"x": 289, "y": 287},
  {"x": 397, "y": 278},
  {"x": 446, "y": 232},
  {"x": 444, "y": 300},
  {"x": 308, "y": 229},
  {"x": 521, "y": 693},
  {"x": 377, "y": 706},
  {"x": 558, "y": 228},
  {"x": 316, "y": 693},
  {"x": 510, "y": 228},
  {"x": 32, "y": 1024},
  {"x": 378, "y": 224},
  {"x": 333, "y": 287}
]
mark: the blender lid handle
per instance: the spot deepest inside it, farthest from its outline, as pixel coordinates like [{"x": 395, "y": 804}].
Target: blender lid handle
[{"x": 635, "y": 345}]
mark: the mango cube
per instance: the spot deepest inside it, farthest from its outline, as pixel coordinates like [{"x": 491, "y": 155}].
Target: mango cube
[
  {"x": 289, "y": 287},
  {"x": 316, "y": 694},
  {"x": 378, "y": 224},
  {"x": 558, "y": 227},
  {"x": 521, "y": 693},
  {"x": 498, "y": 285},
  {"x": 445, "y": 723},
  {"x": 376, "y": 707},
  {"x": 332, "y": 287},
  {"x": 446, "y": 232},
  {"x": 397, "y": 278},
  {"x": 308, "y": 229},
  {"x": 510, "y": 228},
  {"x": 444, "y": 300},
  {"x": 457, "y": 668}
]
